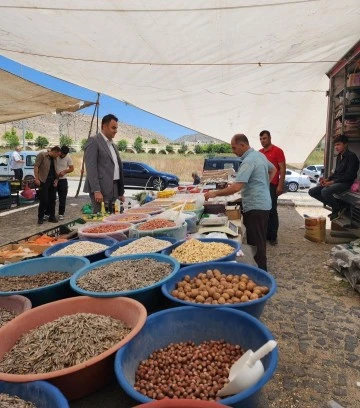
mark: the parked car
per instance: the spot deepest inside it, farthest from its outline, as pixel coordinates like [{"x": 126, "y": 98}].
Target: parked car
[
  {"x": 28, "y": 167},
  {"x": 138, "y": 174},
  {"x": 221, "y": 163},
  {"x": 295, "y": 180},
  {"x": 314, "y": 171}
]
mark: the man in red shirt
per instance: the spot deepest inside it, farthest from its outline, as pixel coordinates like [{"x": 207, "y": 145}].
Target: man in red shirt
[{"x": 275, "y": 156}]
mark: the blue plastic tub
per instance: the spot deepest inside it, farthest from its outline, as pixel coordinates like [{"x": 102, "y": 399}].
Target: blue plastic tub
[
  {"x": 41, "y": 393},
  {"x": 109, "y": 242},
  {"x": 196, "y": 324},
  {"x": 150, "y": 296},
  {"x": 259, "y": 276},
  {"x": 50, "y": 293},
  {"x": 231, "y": 257},
  {"x": 108, "y": 252}
]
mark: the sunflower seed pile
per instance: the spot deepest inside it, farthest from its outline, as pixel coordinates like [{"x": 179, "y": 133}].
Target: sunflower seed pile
[
  {"x": 12, "y": 401},
  {"x": 124, "y": 275},
  {"x": 24, "y": 282},
  {"x": 5, "y": 316},
  {"x": 62, "y": 343}
]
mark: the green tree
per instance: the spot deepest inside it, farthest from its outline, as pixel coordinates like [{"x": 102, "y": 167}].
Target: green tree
[
  {"x": 122, "y": 145},
  {"x": 83, "y": 143},
  {"x": 65, "y": 140},
  {"x": 145, "y": 141},
  {"x": 169, "y": 149},
  {"x": 11, "y": 138},
  {"x": 154, "y": 141},
  {"x": 138, "y": 144},
  {"x": 183, "y": 148},
  {"x": 29, "y": 135},
  {"x": 41, "y": 142},
  {"x": 152, "y": 151},
  {"x": 198, "y": 149}
]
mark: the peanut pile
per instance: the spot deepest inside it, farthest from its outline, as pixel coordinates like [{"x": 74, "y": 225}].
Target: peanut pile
[
  {"x": 103, "y": 228},
  {"x": 187, "y": 370},
  {"x": 215, "y": 288},
  {"x": 156, "y": 223}
]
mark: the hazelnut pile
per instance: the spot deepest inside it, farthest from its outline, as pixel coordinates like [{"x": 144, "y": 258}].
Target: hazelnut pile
[
  {"x": 216, "y": 288},
  {"x": 186, "y": 370}
]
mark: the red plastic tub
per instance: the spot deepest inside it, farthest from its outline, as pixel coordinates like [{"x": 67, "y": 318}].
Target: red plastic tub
[
  {"x": 87, "y": 377},
  {"x": 15, "y": 303}
]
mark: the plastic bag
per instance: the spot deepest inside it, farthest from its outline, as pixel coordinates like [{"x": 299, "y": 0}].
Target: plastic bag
[
  {"x": 172, "y": 215},
  {"x": 355, "y": 187},
  {"x": 86, "y": 209},
  {"x": 27, "y": 193}
]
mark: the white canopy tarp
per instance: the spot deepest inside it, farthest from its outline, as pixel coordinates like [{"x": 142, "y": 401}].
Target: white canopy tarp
[
  {"x": 21, "y": 99},
  {"x": 216, "y": 66}
]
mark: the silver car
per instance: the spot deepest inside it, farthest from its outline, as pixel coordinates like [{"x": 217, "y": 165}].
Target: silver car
[
  {"x": 294, "y": 181},
  {"x": 314, "y": 171}
]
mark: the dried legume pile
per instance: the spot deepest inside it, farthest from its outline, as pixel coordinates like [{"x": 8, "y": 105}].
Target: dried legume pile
[
  {"x": 194, "y": 251},
  {"x": 5, "y": 316},
  {"x": 186, "y": 370},
  {"x": 156, "y": 223},
  {"x": 124, "y": 275},
  {"x": 101, "y": 229},
  {"x": 142, "y": 245},
  {"x": 62, "y": 343},
  {"x": 131, "y": 217},
  {"x": 24, "y": 282},
  {"x": 144, "y": 210},
  {"x": 216, "y": 288},
  {"x": 13, "y": 401},
  {"x": 81, "y": 248}
]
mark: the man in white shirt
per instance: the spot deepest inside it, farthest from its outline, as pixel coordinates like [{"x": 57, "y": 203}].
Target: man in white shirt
[
  {"x": 64, "y": 165},
  {"x": 16, "y": 164}
]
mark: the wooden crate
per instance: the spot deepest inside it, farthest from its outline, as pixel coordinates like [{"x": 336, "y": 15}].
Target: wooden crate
[{"x": 5, "y": 259}]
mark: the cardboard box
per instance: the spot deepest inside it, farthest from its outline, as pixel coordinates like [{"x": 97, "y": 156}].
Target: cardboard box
[{"x": 233, "y": 213}]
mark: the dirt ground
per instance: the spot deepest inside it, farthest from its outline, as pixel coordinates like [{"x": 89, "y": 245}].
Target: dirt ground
[{"x": 314, "y": 317}]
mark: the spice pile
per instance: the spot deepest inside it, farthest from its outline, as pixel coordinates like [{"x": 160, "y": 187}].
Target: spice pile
[
  {"x": 194, "y": 251},
  {"x": 25, "y": 282},
  {"x": 142, "y": 245},
  {"x": 144, "y": 210},
  {"x": 131, "y": 218},
  {"x": 62, "y": 343},
  {"x": 106, "y": 227},
  {"x": 186, "y": 370},
  {"x": 124, "y": 275},
  {"x": 216, "y": 288}
]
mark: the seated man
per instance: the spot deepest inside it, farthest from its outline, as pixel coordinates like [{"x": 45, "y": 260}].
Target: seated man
[{"x": 347, "y": 165}]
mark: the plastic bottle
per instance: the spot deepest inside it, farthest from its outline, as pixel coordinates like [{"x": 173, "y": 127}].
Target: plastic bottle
[
  {"x": 117, "y": 206},
  {"x": 102, "y": 210}
]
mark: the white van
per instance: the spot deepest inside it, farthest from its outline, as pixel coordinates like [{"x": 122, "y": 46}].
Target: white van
[{"x": 28, "y": 167}]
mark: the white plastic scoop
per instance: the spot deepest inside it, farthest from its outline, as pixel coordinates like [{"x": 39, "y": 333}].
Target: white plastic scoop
[{"x": 246, "y": 371}]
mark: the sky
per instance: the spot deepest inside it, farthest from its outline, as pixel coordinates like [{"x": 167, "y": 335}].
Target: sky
[{"x": 126, "y": 113}]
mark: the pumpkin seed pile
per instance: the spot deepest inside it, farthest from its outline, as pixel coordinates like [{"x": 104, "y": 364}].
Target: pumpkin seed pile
[
  {"x": 62, "y": 343},
  {"x": 12, "y": 401},
  {"x": 5, "y": 316},
  {"x": 124, "y": 275},
  {"x": 24, "y": 282}
]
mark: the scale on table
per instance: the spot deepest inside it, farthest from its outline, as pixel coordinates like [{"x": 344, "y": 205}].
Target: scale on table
[{"x": 229, "y": 228}]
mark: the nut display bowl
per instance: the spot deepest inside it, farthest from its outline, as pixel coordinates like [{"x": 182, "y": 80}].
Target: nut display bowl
[
  {"x": 196, "y": 324},
  {"x": 231, "y": 257},
  {"x": 150, "y": 296},
  {"x": 41, "y": 393},
  {"x": 87, "y": 377},
  {"x": 48, "y": 293},
  {"x": 259, "y": 276},
  {"x": 109, "y": 252}
]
